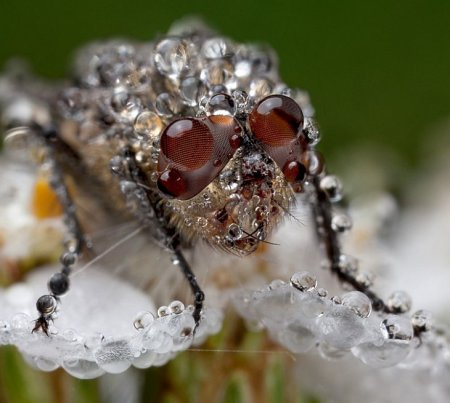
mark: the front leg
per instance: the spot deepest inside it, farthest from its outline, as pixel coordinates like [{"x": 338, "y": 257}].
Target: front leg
[
  {"x": 150, "y": 211},
  {"x": 75, "y": 241}
]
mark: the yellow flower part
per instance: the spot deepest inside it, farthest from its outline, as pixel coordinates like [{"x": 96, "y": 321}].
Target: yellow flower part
[{"x": 45, "y": 203}]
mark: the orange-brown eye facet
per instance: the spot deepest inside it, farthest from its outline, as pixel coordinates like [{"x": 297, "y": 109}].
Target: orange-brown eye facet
[
  {"x": 187, "y": 143},
  {"x": 276, "y": 120},
  {"x": 194, "y": 151}
]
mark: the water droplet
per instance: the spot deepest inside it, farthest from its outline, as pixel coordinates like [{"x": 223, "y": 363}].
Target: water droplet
[
  {"x": 221, "y": 104},
  {"x": 311, "y": 130},
  {"x": 143, "y": 320},
  {"x": 399, "y": 302},
  {"x": 147, "y": 124},
  {"x": 163, "y": 311},
  {"x": 216, "y": 48},
  {"x": 358, "y": 303},
  {"x": 332, "y": 186},
  {"x": 396, "y": 327},
  {"x": 336, "y": 299},
  {"x": 114, "y": 357},
  {"x": 260, "y": 88},
  {"x": 243, "y": 68},
  {"x": 176, "y": 307},
  {"x": 365, "y": 279},
  {"x": 341, "y": 223},
  {"x": 275, "y": 284},
  {"x": 166, "y": 105},
  {"x": 192, "y": 90},
  {"x": 422, "y": 320},
  {"x": 390, "y": 353},
  {"x": 348, "y": 264},
  {"x": 175, "y": 57},
  {"x": 304, "y": 281},
  {"x": 322, "y": 292},
  {"x": 234, "y": 231},
  {"x": 217, "y": 72},
  {"x": 241, "y": 101}
]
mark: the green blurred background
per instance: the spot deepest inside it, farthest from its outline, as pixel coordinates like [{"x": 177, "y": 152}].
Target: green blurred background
[{"x": 377, "y": 71}]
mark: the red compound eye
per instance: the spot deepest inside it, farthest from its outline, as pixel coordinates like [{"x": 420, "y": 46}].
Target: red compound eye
[
  {"x": 193, "y": 152},
  {"x": 276, "y": 120},
  {"x": 188, "y": 143}
]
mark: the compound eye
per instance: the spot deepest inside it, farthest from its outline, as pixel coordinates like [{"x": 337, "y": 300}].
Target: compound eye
[
  {"x": 187, "y": 143},
  {"x": 276, "y": 120},
  {"x": 193, "y": 152}
]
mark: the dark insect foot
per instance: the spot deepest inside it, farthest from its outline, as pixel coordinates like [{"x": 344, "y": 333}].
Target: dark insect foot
[
  {"x": 41, "y": 323},
  {"x": 197, "y": 317}
]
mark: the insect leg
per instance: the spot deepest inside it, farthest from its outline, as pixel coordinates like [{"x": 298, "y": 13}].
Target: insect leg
[
  {"x": 59, "y": 282},
  {"x": 322, "y": 210},
  {"x": 149, "y": 208}
]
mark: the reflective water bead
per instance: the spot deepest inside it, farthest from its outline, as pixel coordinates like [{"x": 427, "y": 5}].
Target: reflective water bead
[
  {"x": 275, "y": 284},
  {"x": 336, "y": 299},
  {"x": 68, "y": 259},
  {"x": 313, "y": 161},
  {"x": 263, "y": 59},
  {"x": 341, "y": 223},
  {"x": 163, "y": 311},
  {"x": 396, "y": 327},
  {"x": 399, "y": 302},
  {"x": 322, "y": 292},
  {"x": 72, "y": 103},
  {"x": 358, "y": 303},
  {"x": 216, "y": 48},
  {"x": 229, "y": 180},
  {"x": 311, "y": 131},
  {"x": 296, "y": 338},
  {"x": 175, "y": 57},
  {"x": 341, "y": 328},
  {"x": 217, "y": 72},
  {"x": 422, "y": 320},
  {"x": 260, "y": 88},
  {"x": 192, "y": 90},
  {"x": 176, "y": 307},
  {"x": 332, "y": 186},
  {"x": 365, "y": 279},
  {"x": 124, "y": 104},
  {"x": 127, "y": 187},
  {"x": 59, "y": 284},
  {"x": 388, "y": 354},
  {"x": 147, "y": 124},
  {"x": 348, "y": 264},
  {"x": 241, "y": 101},
  {"x": 243, "y": 68},
  {"x": 114, "y": 356},
  {"x": 143, "y": 319},
  {"x": 303, "y": 281},
  {"x": 166, "y": 105},
  {"x": 331, "y": 353},
  {"x": 46, "y": 305},
  {"x": 234, "y": 231},
  {"x": 221, "y": 104}
]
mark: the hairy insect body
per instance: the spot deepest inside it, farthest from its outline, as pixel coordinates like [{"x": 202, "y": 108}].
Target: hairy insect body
[{"x": 194, "y": 135}]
